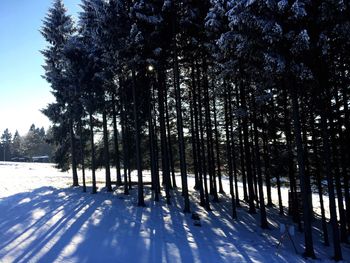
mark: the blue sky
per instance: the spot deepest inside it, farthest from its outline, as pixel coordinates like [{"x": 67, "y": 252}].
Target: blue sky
[{"x": 23, "y": 92}]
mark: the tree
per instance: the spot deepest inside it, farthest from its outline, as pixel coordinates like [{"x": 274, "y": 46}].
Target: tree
[
  {"x": 6, "y": 140},
  {"x": 57, "y": 29}
]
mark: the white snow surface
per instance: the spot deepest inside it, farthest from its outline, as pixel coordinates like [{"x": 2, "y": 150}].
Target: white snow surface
[{"x": 44, "y": 219}]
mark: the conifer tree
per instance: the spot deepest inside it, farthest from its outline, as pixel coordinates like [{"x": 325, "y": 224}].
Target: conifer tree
[{"x": 57, "y": 29}]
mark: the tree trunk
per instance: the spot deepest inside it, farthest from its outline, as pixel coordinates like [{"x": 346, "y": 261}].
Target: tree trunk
[
  {"x": 306, "y": 157},
  {"x": 247, "y": 152},
  {"x": 183, "y": 167},
  {"x": 278, "y": 181},
  {"x": 93, "y": 168},
  {"x": 170, "y": 151},
  {"x": 254, "y": 168},
  {"x": 217, "y": 148},
  {"x": 331, "y": 193},
  {"x": 141, "y": 201},
  {"x": 318, "y": 180},
  {"x": 203, "y": 151},
  {"x": 241, "y": 150},
  {"x": 193, "y": 144},
  {"x": 163, "y": 137},
  {"x": 229, "y": 154},
  {"x": 294, "y": 209},
  {"x": 82, "y": 154},
  {"x": 309, "y": 249},
  {"x": 344, "y": 140},
  {"x": 266, "y": 158},
  {"x": 263, "y": 219},
  {"x": 116, "y": 144},
  {"x": 124, "y": 142},
  {"x": 73, "y": 154},
  {"x": 200, "y": 151},
  {"x": 152, "y": 142},
  {"x": 233, "y": 148},
  {"x": 194, "y": 128},
  {"x": 210, "y": 148},
  {"x": 106, "y": 152}
]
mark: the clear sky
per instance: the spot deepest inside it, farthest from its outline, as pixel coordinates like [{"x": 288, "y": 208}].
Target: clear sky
[{"x": 23, "y": 92}]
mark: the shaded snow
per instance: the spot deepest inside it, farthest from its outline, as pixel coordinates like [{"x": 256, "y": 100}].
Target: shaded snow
[{"x": 43, "y": 219}]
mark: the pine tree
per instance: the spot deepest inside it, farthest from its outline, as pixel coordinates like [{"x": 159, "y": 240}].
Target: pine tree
[{"x": 57, "y": 29}]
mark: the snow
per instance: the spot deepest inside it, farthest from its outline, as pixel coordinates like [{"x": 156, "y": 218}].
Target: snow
[
  {"x": 44, "y": 219},
  {"x": 298, "y": 9},
  {"x": 282, "y": 5}
]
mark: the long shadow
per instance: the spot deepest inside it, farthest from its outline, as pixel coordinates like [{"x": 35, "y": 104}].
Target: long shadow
[
  {"x": 18, "y": 211},
  {"x": 113, "y": 232},
  {"x": 79, "y": 216},
  {"x": 34, "y": 234},
  {"x": 79, "y": 227},
  {"x": 35, "y": 225}
]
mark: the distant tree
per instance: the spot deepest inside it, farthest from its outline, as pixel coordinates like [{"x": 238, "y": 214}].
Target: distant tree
[
  {"x": 35, "y": 143},
  {"x": 17, "y": 141},
  {"x": 6, "y": 140}
]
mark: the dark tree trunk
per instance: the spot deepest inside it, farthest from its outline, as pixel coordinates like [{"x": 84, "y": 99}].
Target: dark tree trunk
[
  {"x": 229, "y": 153},
  {"x": 294, "y": 205},
  {"x": 194, "y": 128},
  {"x": 336, "y": 169},
  {"x": 73, "y": 154},
  {"x": 106, "y": 152},
  {"x": 124, "y": 142},
  {"x": 193, "y": 144},
  {"x": 247, "y": 152},
  {"x": 254, "y": 172},
  {"x": 263, "y": 219},
  {"x": 152, "y": 142},
  {"x": 82, "y": 154},
  {"x": 319, "y": 180},
  {"x": 331, "y": 192},
  {"x": 128, "y": 153},
  {"x": 141, "y": 201},
  {"x": 203, "y": 151},
  {"x": 306, "y": 157},
  {"x": 198, "y": 121},
  {"x": 241, "y": 150},
  {"x": 217, "y": 148},
  {"x": 233, "y": 148},
  {"x": 116, "y": 143},
  {"x": 344, "y": 141},
  {"x": 210, "y": 147},
  {"x": 156, "y": 155},
  {"x": 242, "y": 158},
  {"x": 267, "y": 168},
  {"x": 326, "y": 115},
  {"x": 170, "y": 151},
  {"x": 307, "y": 214},
  {"x": 278, "y": 180},
  {"x": 163, "y": 137},
  {"x": 183, "y": 168},
  {"x": 266, "y": 158},
  {"x": 93, "y": 166}
]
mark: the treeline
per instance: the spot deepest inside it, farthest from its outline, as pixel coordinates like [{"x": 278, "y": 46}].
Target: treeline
[
  {"x": 23, "y": 148},
  {"x": 252, "y": 90}
]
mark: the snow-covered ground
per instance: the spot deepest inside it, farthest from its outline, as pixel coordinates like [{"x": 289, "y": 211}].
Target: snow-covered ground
[{"x": 43, "y": 219}]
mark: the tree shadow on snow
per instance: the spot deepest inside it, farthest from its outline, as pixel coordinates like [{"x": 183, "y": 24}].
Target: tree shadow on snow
[{"x": 66, "y": 225}]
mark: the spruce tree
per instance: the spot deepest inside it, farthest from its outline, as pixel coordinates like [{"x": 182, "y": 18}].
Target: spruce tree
[{"x": 57, "y": 29}]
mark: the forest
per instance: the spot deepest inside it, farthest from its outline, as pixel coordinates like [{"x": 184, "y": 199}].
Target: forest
[
  {"x": 36, "y": 142},
  {"x": 256, "y": 91}
]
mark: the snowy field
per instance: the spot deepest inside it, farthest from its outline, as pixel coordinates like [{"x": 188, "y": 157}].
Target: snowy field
[{"x": 43, "y": 219}]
